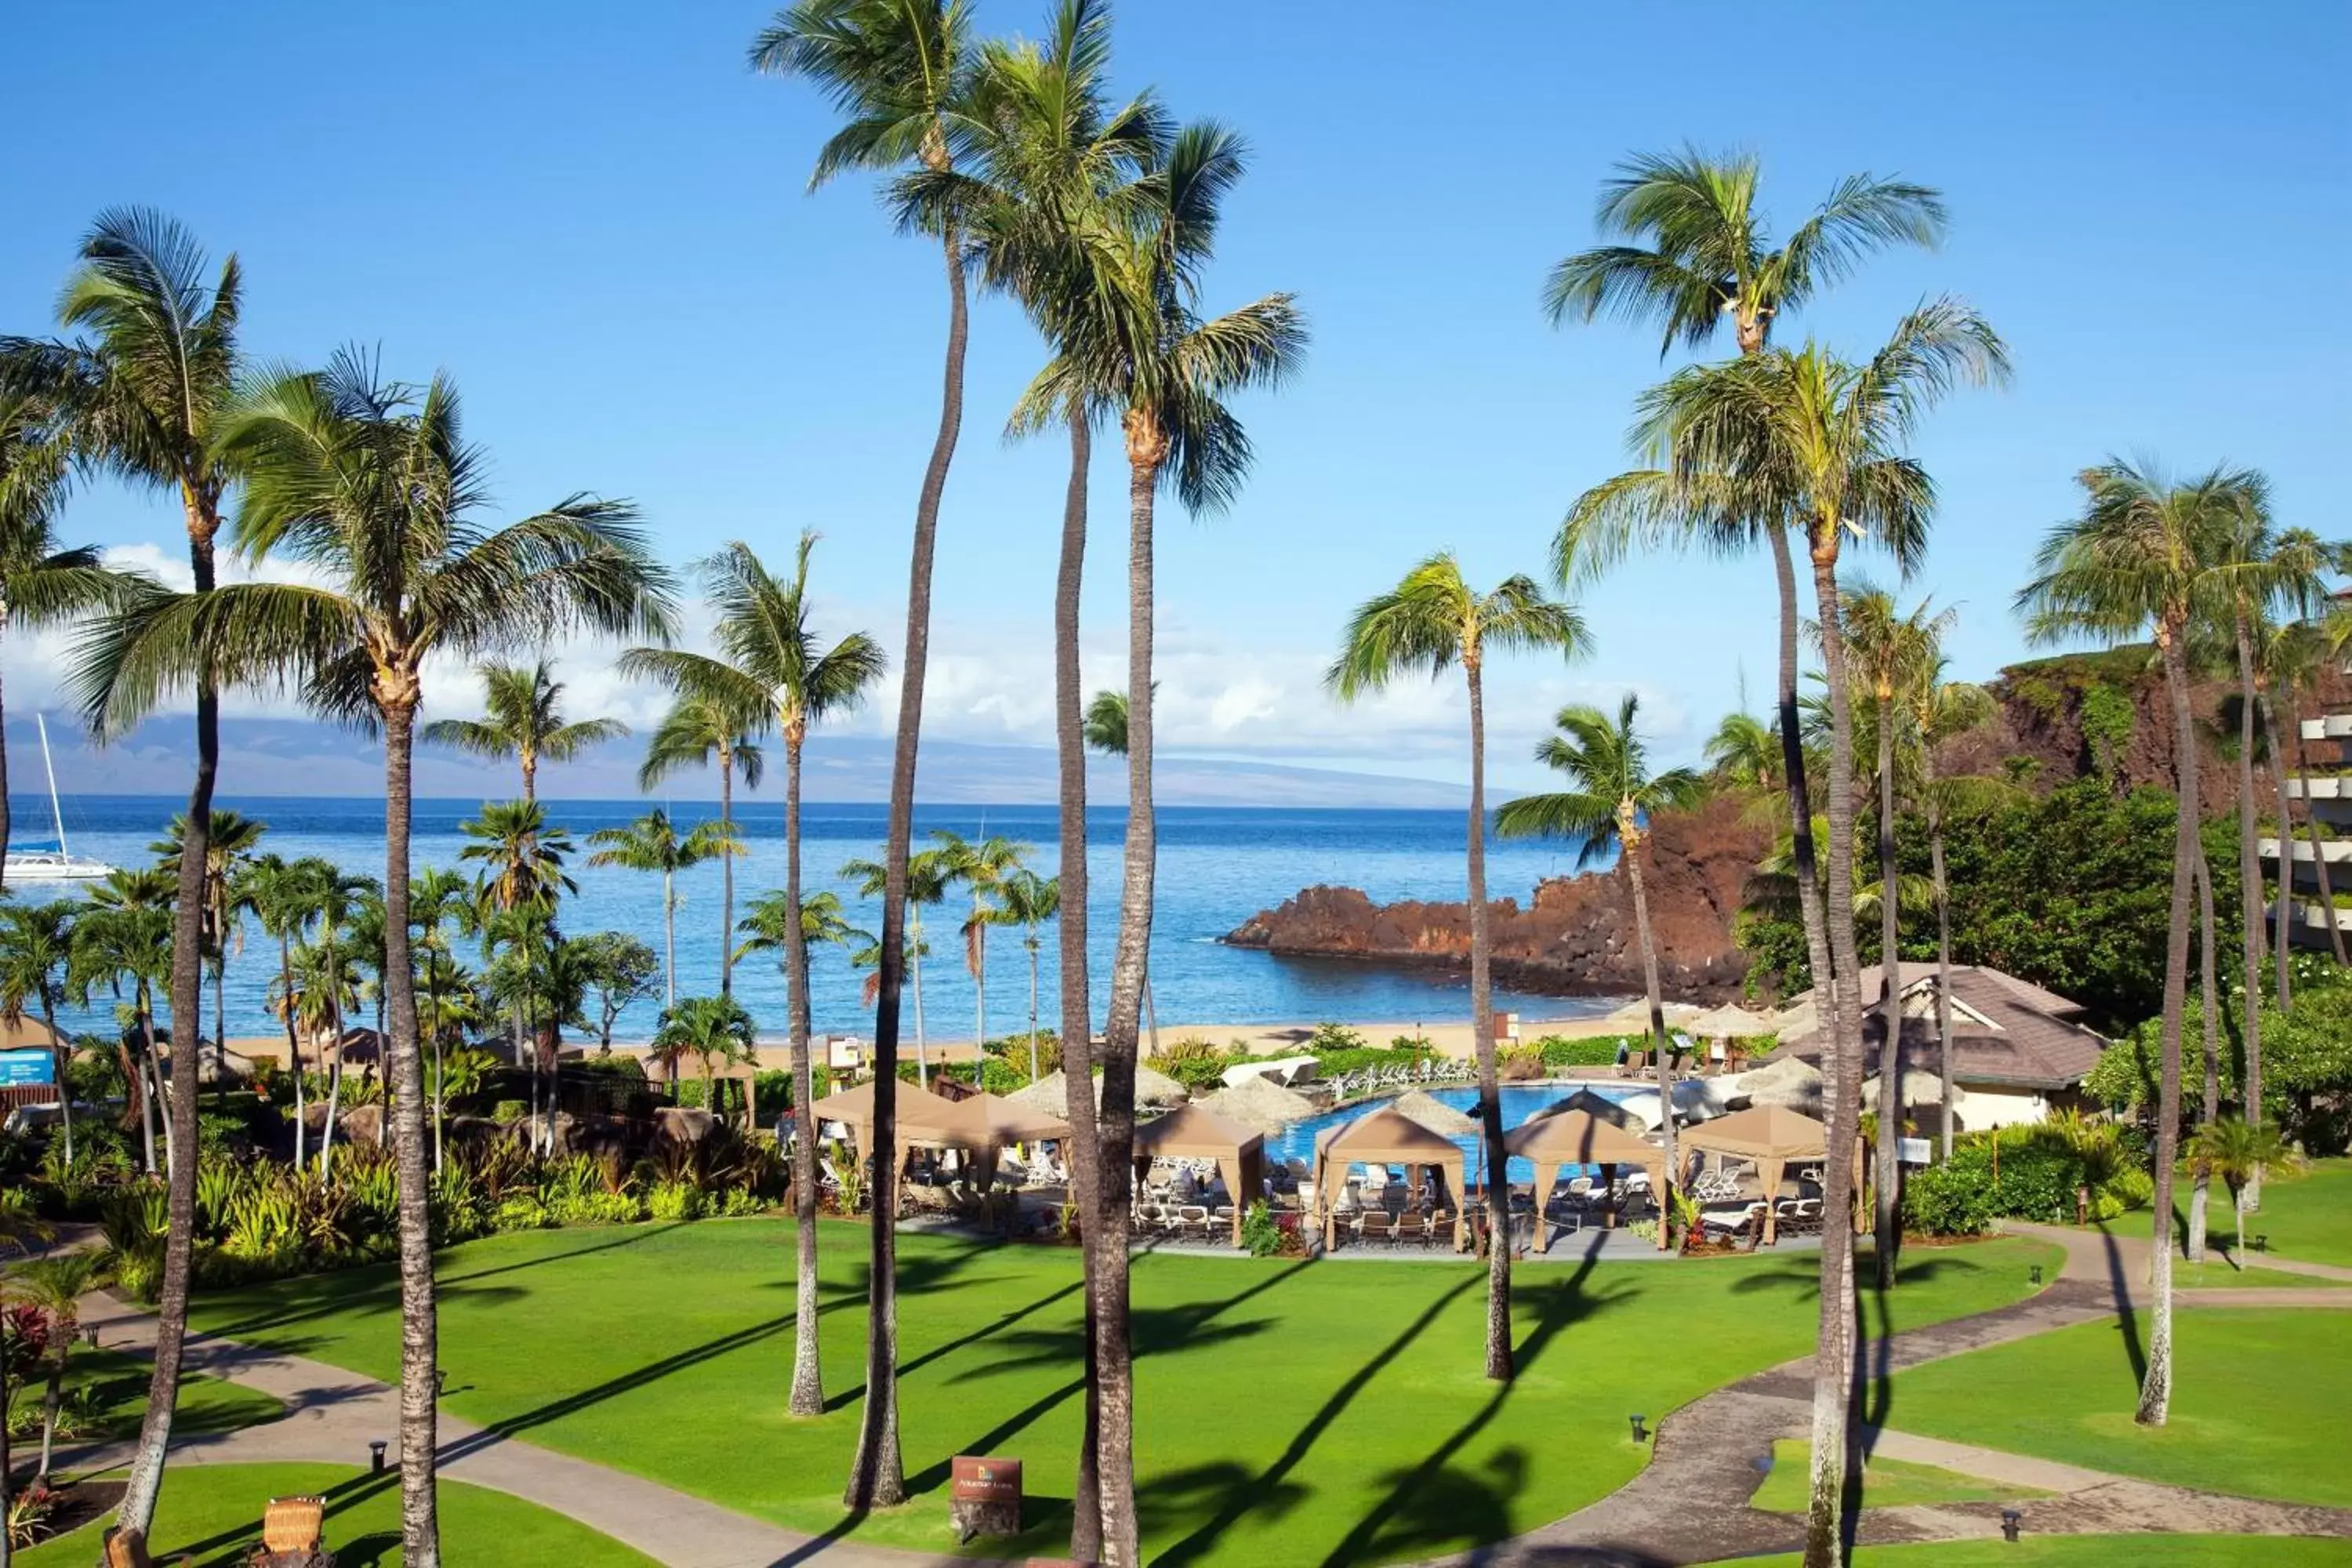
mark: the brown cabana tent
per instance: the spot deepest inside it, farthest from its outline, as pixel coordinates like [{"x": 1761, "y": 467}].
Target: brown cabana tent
[
  {"x": 1193, "y": 1132},
  {"x": 1600, "y": 1107},
  {"x": 1771, "y": 1136},
  {"x": 1581, "y": 1138},
  {"x": 924, "y": 1120},
  {"x": 1003, "y": 1122},
  {"x": 1385, "y": 1138}
]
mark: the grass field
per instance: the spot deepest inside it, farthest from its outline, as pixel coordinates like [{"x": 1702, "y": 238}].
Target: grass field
[
  {"x": 214, "y": 1513},
  {"x": 1291, "y": 1411},
  {"x": 2214, "y": 1274},
  {"x": 2258, "y": 1402},
  {"x": 117, "y": 1398},
  {"x": 2308, "y": 1219},
  {"x": 1886, "y": 1483},
  {"x": 2100, "y": 1552}
]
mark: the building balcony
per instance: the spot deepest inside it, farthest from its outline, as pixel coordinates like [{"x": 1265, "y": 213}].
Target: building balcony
[
  {"x": 2308, "y": 921},
  {"x": 2334, "y": 727},
  {"x": 2319, "y": 786}
]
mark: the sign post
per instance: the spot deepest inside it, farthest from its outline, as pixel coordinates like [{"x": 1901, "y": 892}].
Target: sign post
[{"x": 984, "y": 1496}]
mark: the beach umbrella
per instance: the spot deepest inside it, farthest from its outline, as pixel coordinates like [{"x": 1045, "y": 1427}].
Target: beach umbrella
[
  {"x": 1260, "y": 1105},
  {"x": 1788, "y": 1082},
  {"x": 1051, "y": 1093},
  {"x": 1418, "y": 1105}
]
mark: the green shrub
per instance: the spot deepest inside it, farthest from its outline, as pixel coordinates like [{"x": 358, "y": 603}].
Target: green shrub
[
  {"x": 2026, "y": 1173},
  {"x": 1260, "y": 1232},
  {"x": 673, "y": 1201},
  {"x": 521, "y": 1211},
  {"x": 507, "y": 1111},
  {"x": 1330, "y": 1036},
  {"x": 1591, "y": 1051}
]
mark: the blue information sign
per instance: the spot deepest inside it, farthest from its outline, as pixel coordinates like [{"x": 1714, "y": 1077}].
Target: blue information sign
[{"x": 26, "y": 1067}]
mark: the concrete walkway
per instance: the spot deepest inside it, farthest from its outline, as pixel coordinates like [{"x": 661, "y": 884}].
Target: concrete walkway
[
  {"x": 1690, "y": 1504},
  {"x": 333, "y": 1416}
]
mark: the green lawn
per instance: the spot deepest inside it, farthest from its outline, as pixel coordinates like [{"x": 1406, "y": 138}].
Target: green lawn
[
  {"x": 2214, "y": 1274},
  {"x": 214, "y": 1512},
  {"x": 1885, "y": 1483},
  {"x": 1291, "y": 1411},
  {"x": 117, "y": 1398},
  {"x": 2308, "y": 1219},
  {"x": 2099, "y": 1551},
  {"x": 2258, "y": 1402}
]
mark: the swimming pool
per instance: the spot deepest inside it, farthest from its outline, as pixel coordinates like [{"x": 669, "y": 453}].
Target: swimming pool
[{"x": 1520, "y": 1101}]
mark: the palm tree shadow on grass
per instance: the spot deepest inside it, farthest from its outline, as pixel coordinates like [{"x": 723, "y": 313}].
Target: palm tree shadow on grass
[
  {"x": 230, "y": 1548},
  {"x": 1433, "y": 1504}
]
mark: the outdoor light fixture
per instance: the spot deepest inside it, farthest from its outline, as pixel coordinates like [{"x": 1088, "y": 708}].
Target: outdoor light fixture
[
  {"x": 375, "y": 1456},
  {"x": 90, "y": 1336},
  {"x": 1640, "y": 1436},
  {"x": 2035, "y": 1274},
  {"x": 2009, "y": 1522},
  {"x": 440, "y": 1382}
]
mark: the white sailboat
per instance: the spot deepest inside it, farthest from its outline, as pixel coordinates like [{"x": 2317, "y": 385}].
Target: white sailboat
[{"x": 61, "y": 864}]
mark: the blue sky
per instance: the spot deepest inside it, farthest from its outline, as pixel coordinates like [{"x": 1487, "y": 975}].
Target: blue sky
[{"x": 593, "y": 216}]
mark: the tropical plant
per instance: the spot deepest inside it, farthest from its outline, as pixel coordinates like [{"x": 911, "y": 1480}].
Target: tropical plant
[
  {"x": 35, "y": 954},
  {"x": 1614, "y": 799},
  {"x": 282, "y": 893},
  {"x": 620, "y": 970},
  {"x": 523, "y": 718},
  {"x": 1941, "y": 710},
  {"x": 125, "y": 935},
  {"x": 1432, "y": 621},
  {"x": 440, "y": 899},
  {"x": 982, "y": 865},
  {"x": 42, "y": 584},
  {"x": 927, "y": 883},
  {"x": 653, "y": 843},
  {"x": 373, "y": 486},
  {"x": 141, "y": 395},
  {"x": 2143, "y": 556},
  {"x": 1889, "y": 653},
  {"x": 228, "y": 845},
  {"x": 708, "y": 1028},
  {"x": 1029, "y": 900},
  {"x": 54, "y": 1286},
  {"x": 1744, "y": 751},
  {"x": 2238, "y": 1149},
  {"x": 1104, "y": 730},
  {"x": 699, "y": 730},
  {"x": 901, "y": 74}
]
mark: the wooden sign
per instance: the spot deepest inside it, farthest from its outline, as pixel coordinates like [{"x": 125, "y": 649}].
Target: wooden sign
[{"x": 984, "y": 1496}]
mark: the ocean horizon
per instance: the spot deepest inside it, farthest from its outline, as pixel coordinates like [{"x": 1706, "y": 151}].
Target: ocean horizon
[{"x": 1217, "y": 866}]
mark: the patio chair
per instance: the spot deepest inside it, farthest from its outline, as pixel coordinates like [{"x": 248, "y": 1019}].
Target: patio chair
[
  {"x": 1410, "y": 1227},
  {"x": 1148, "y": 1220},
  {"x": 1377, "y": 1225},
  {"x": 1220, "y": 1222},
  {"x": 1580, "y": 1191},
  {"x": 1193, "y": 1219},
  {"x": 1728, "y": 1223},
  {"x": 291, "y": 1531}
]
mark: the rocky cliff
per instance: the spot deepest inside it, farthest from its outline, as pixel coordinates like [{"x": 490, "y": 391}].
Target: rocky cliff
[{"x": 1576, "y": 937}]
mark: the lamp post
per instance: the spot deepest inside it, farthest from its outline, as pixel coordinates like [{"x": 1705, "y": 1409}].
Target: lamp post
[
  {"x": 375, "y": 1455},
  {"x": 2009, "y": 1520},
  {"x": 1640, "y": 1435}
]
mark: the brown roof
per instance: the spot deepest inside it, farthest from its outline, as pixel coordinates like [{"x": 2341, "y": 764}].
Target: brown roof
[
  {"x": 1194, "y": 1132},
  {"x": 2004, "y": 1030},
  {"x": 1760, "y": 1133},
  {"x": 1581, "y": 1138}
]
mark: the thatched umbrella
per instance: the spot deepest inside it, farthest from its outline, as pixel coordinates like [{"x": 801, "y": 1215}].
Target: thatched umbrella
[
  {"x": 1051, "y": 1093},
  {"x": 1433, "y": 1113},
  {"x": 1729, "y": 1023},
  {"x": 1789, "y": 1083},
  {"x": 1263, "y": 1105},
  {"x": 1157, "y": 1089}
]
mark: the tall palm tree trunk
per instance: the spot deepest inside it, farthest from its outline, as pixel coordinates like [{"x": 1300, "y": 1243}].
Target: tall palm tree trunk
[
  {"x": 2249, "y": 887},
  {"x": 62, "y": 1055},
  {"x": 293, "y": 1041},
  {"x": 1033, "y": 944},
  {"x": 1833, "y": 1427},
  {"x": 808, "y": 1373},
  {"x": 1892, "y": 1102},
  {"x": 145, "y": 1479},
  {"x": 669, "y": 939},
  {"x": 1942, "y": 893},
  {"x": 1105, "y": 1239},
  {"x": 726, "y": 878},
  {"x": 2281, "y": 927},
  {"x": 1629, "y": 843},
  {"x": 1801, "y": 806},
  {"x": 52, "y": 1400},
  {"x": 1085, "y": 1153},
  {"x": 2156, "y": 1383},
  {"x": 877, "y": 1472},
  {"x": 419, "y": 1527},
  {"x": 2209, "y": 1006},
  {"x": 1482, "y": 1036},
  {"x": 137, "y": 1102},
  {"x": 6, "y": 820},
  {"x": 915, "y": 958}
]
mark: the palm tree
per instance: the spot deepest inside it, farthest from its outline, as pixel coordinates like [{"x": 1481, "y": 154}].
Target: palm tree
[
  {"x": 1030, "y": 900},
  {"x": 1104, "y": 729},
  {"x": 982, "y": 865},
  {"x": 126, "y": 933},
  {"x": 36, "y": 951},
  {"x": 707, "y": 1029},
  {"x": 374, "y": 487},
  {"x": 1615, "y": 799},
  {"x": 41, "y": 583},
  {"x": 2145, "y": 554},
  {"x": 699, "y": 730},
  {"x": 1816, "y": 441},
  {"x": 1940, "y": 710},
  {"x": 1744, "y": 751},
  {"x": 55, "y": 1286},
  {"x": 338, "y": 901},
  {"x": 2238, "y": 1151},
  {"x": 1432, "y": 621},
  {"x": 437, "y": 898},
  {"x": 141, "y": 397},
  {"x": 899, "y": 72},
  {"x": 228, "y": 845},
  {"x": 282, "y": 893},
  {"x": 927, "y": 883},
  {"x": 1889, "y": 652},
  {"x": 523, "y": 721},
  {"x": 652, "y": 843}
]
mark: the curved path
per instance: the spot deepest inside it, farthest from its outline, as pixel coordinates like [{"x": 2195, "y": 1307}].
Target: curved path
[{"x": 1689, "y": 1504}]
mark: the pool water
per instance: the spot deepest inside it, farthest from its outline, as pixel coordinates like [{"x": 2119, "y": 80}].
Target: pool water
[{"x": 1520, "y": 1102}]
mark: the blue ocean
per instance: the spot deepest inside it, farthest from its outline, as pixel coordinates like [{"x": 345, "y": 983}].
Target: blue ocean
[{"x": 1217, "y": 866}]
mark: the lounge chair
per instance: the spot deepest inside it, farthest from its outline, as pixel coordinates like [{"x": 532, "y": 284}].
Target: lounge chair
[
  {"x": 1730, "y": 1222},
  {"x": 1220, "y": 1222},
  {"x": 1410, "y": 1228},
  {"x": 1376, "y": 1226},
  {"x": 1193, "y": 1219}
]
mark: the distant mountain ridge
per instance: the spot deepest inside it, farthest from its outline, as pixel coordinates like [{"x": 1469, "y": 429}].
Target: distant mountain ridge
[{"x": 297, "y": 757}]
